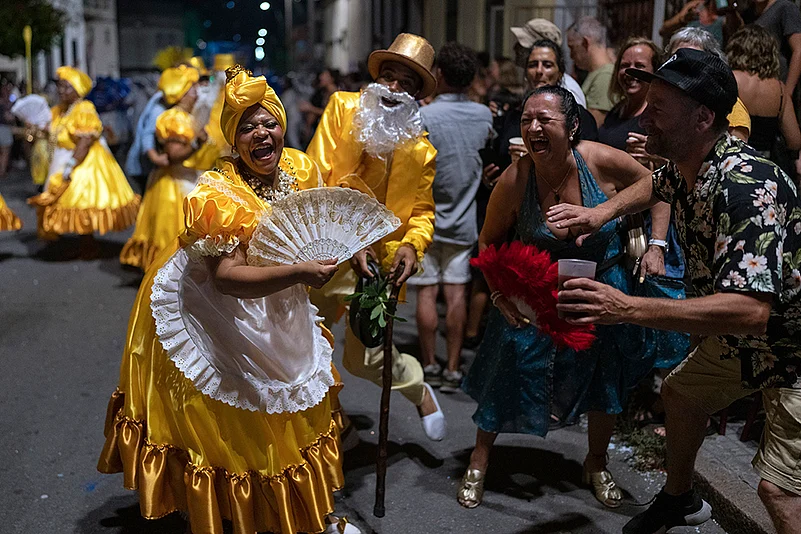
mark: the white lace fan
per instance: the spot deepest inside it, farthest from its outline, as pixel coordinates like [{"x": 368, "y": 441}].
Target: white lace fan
[
  {"x": 32, "y": 109},
  {"x": 319, "y": 224}
]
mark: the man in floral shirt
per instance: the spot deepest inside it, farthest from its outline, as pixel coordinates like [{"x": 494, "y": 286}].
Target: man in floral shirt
[{"x": 739, "y": 223}]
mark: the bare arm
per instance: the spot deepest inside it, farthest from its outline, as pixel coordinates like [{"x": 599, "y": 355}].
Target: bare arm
[
  {"x": 159, "y": 159},
  {"x": 233, "y": 276},
  {"x": 794, "y": 67},
  {"x": 718, "y": 314},
  {"x": 789, "y": 123},
  {"x": 687, "y": 14},
  {"x": 82, "y": 145}
]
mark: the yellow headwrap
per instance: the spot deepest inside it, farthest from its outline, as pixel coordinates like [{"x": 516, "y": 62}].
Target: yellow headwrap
[
  {"x": 176, "y": 81},
  {"x": 199, "y": 64},
  {"x": 243, "y": 90},
  {"x": 79, "y": 80}
]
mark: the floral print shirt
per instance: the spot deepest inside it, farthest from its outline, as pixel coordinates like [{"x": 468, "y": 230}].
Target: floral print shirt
[{"x": 740, "y": 228}]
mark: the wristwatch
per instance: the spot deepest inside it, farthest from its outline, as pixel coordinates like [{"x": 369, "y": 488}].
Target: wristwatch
[{"x": 661, "y": 243}]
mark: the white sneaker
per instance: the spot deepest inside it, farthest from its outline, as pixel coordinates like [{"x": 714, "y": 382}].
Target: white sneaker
[
  {"x": 434, "y": 424},
  {"x": 342, "y": 526}
]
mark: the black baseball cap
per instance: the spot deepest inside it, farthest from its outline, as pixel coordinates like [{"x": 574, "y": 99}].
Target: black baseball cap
[{"x": 705, "y": 77}]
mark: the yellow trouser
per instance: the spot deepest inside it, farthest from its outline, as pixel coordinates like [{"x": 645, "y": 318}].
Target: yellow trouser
[{"x": 407, "y": 373}]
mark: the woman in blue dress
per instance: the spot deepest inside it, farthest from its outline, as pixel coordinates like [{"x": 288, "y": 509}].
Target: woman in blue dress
[{"x": 522, "y": 382}]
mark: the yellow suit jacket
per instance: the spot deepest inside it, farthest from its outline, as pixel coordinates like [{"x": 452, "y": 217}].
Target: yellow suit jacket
[{"x": 341, "y": 159}]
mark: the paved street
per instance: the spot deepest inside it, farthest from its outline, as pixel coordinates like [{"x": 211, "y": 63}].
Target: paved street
[{"x": 62, "y": 326}]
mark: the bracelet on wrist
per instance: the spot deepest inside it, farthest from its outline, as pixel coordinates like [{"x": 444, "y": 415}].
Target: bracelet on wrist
[
  {"x": 495, "y": 296},
  {"x": 661, "y": 243}
]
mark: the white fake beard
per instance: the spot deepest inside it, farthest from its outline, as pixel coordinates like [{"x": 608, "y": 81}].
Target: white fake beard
[
  {"x": 206, "y": 96},
  {"x": 381, "y": 128}
]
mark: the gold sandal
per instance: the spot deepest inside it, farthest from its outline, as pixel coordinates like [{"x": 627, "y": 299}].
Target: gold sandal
[
  {"x": 604, "y": 487},
  {"x": 471, "y": 489}
]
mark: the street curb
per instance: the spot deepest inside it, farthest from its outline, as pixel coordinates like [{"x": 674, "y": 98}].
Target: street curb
[{"x": 735, "y": 503}]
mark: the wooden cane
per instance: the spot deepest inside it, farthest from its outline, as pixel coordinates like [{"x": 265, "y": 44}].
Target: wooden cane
[{"x": 386, "y": 390}]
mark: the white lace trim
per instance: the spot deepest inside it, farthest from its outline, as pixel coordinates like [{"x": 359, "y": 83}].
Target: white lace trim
[
  {"x": 212, "y": 246},
  {"x": 222, "y": 187},
  {"x": 225, "y": 376}
]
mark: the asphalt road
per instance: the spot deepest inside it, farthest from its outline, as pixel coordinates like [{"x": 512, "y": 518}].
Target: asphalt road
[{"x": 62, "y": 327}]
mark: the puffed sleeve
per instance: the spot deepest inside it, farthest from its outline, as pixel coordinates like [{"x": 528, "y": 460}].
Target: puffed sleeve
[
  {"x": 324, "y": 143},
  {"x": 216, "y": 222},
  {"x": 83, "y": 120},
  {"x": 175, "y": 124}
]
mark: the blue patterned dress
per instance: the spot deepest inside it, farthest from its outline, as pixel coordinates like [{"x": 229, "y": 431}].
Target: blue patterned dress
[{"x": 520, "y": 378}]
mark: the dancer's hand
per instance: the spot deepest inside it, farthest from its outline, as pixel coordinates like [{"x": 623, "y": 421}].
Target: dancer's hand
[
  {"x": 405, "y": 256},
  {"x": 317, "y": 273},
  {"x": 359, "y": 262},
  {"x": 653, "y": 262}
]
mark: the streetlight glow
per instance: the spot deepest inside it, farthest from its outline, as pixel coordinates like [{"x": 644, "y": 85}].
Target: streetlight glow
[
  {"x": 259, "y": 53},
  {"x": 263, "y": 32},
  {"x": 260, "y": 41},
  {"x": 264, "y": 6}
]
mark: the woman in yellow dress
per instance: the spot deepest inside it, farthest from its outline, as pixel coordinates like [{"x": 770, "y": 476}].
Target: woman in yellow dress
[
  {"x": 8, "y": 220},
  {"x": 224, "y": 406},
  {"x": 86, "y": 191},
  {"x": 161, "y": 217}
]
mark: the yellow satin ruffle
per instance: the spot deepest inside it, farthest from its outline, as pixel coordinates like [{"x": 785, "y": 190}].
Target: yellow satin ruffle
[
  {"x": 242, "y": 91},
  {"x": 213, "y": 128},
  {"x": 159, "y": 222},
  {"x": 81, "y": 119},
  {"x": 175, "y": 124},
  {"x": 97, "y": 199},
  {"x": 79, "y": 80},
  {"x": 8, "y": 220},
  {"x": 226, "y": 207},
  {"x": 296, "y": 499},
  {"x": 175, "y": 82},
  {"x": 406, "y": 190}
]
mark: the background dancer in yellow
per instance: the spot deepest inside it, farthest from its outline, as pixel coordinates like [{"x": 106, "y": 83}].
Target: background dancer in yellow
[
  {"x": 8, "y": 220},
  {"x": 271, "y": 465},
  {"x": 374, "y": 141},
  {"x": 86, "y": 191},
  {"x": 161, "y": 218}
]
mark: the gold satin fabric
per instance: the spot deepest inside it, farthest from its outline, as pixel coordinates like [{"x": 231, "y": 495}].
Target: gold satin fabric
[
  {"x": 159, "y": 222},
  {"x": 98, "y": 198},
  {"x": 175, "y": 82},
  {"x": 213, "y": 128},
  {"x": 739, "y": 116},
  {"x": 8, "y": 220},
  {"x": 407, "y": 187},
  {"x": 79, "y": 80},
  {"x": 40, "y": 160},
  {"x": 185, "y": 451},
  {"x": 175, "y": 124}
]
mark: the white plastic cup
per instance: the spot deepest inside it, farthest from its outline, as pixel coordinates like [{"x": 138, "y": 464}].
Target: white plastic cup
[
  {"x": 570, "y": 269},
  {"x": 518, "y": 145}
]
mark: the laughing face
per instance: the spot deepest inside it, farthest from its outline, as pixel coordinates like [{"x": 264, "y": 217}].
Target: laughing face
[
  {"x": 259, "y": 141},
  {"x": 543, "y": 128},
  {"x": 635, "y": 57},
  {"x": 399, "y": 79},
  {"x": 669, "y": 121}
]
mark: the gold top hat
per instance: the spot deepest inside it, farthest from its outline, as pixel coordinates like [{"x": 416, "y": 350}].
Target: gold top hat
[
  {"x": 412, "y": 51},
  {"x": 223, "y": 61}
]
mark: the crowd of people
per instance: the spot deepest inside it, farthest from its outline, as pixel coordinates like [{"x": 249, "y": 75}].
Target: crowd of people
[{"x": 672, "y": 170}]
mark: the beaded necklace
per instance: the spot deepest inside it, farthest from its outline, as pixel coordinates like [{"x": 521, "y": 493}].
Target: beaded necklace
[{"x": 283, "y": 185}]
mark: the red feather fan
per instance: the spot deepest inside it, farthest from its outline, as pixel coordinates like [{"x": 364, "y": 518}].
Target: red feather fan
[{"x": 528, "y": 274}]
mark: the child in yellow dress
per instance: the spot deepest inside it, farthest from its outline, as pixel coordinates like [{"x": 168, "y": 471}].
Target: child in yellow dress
[{"x": 86, "y": 191}]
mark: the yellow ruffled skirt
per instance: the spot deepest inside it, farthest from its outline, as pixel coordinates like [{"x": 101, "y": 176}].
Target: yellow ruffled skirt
[
  {"x": 161, "y": 217},
  {"x": 97, "y": 199},
  {"x": 8, "y": 220},
  {"x": 185, "y": 451}
]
